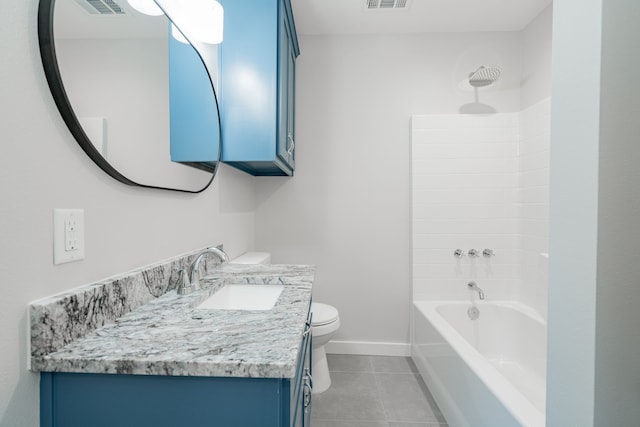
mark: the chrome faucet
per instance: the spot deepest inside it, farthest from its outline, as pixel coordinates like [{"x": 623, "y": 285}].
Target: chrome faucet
[
  {"x": 474, "y": 287},
  {"x": 193, "y": 282},
  {"x": 488, "y": 253},
  {"x": 194, "y": 273}
]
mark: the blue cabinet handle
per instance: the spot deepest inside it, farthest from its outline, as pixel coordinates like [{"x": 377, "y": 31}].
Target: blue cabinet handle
[
  {"x": 308, "y": 389},
  {"x": 292, "y": 144}
]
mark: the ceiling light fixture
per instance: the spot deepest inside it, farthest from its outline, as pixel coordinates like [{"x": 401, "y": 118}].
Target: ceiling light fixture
[
  {"x": 195, "y": 20},
  {"x": 146, "y": 7},
  {"x": 206, "y": 21},
  {"x": 200, "y": 20},
  {"x": 177, "y": 34}
]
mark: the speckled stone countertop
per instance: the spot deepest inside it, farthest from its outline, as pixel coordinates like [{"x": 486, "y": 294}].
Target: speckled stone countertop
[{"x": 170, "y": 336}]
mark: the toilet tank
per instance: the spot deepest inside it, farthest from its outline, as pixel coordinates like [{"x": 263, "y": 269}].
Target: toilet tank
[{"x": 252, "y": 258}]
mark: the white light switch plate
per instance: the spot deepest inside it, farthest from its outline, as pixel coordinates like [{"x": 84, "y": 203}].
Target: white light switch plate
[{"x": 68, "y": 235}]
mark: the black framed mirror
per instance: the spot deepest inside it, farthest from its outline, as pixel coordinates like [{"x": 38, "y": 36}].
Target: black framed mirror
[{"x": 108, "y": 68}]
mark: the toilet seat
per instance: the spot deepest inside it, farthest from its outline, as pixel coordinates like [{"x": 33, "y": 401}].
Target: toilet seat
[{"x": 323, "y": 314}]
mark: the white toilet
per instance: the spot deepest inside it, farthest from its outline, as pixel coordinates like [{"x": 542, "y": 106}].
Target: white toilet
[{"x": 325, "y": 322}]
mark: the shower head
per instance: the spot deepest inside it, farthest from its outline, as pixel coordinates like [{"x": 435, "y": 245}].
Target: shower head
[{"x": 484, "y": 76}]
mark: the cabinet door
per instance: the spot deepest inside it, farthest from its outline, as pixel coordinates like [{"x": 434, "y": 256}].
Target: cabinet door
[
  {"x": 303, "y": 383},
  {"x": 111, "y": 400},
  {"x": 283, "y": 91},
  {"x": 291, "y": 100},
  {"x": 257, "y": 86},
  {"x": 286, "y": 82},
  {"x": 307, "y": 385}
]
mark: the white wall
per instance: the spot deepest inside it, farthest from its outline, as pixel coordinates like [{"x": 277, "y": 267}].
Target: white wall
[
  {"x": 594, "y": 343},
  {"x": 536, "y": 59},
  {"x": 617, "y": 375},
  {"x": 533, "y": 197},
  {"x": 43, "y": 168},
  {"x": 348, "y": 208},
  {"x": 573, "y": 224},
  {"x": 533, "y": 205}
]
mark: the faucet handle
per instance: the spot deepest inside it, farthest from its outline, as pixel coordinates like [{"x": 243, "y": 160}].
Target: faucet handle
[
  {"x": 458, "y": 253},
  {"x": 473, "y": 253},
  {"x": 488, "y": 253},
  {"x": 194, "y": 276},
  {"x": 184, "y": 287}
]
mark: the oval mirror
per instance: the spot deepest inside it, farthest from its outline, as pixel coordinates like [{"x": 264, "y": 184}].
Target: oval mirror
[{"x": 133, "y": 96}]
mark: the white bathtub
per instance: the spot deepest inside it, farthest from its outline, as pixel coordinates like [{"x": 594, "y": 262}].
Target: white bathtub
[{"x": 486, "y": 372}]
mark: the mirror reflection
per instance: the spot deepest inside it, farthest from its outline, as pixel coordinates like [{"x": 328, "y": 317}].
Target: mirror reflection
[{"x": 114, "y": 65}]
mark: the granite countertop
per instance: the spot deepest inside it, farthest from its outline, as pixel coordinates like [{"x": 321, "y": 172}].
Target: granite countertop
[{"x": 169, "y": 336}]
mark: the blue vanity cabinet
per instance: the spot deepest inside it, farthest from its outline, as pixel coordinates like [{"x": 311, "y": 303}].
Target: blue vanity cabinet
[
  {"x": 109, "y": 400},
  {"x": 105, "y": 400},
  {"x": 303, "y": 383},
  {"x": 257, "y": 86}
]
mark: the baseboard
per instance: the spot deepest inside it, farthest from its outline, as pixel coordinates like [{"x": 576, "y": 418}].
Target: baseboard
[{"x": 369, "y": 348}]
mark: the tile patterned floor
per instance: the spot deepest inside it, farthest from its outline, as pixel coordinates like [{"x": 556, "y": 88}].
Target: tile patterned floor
[{"x": 375, "y": 391}]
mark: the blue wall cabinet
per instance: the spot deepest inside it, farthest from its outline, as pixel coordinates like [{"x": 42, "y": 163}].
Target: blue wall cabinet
[
  {"x": 257, "y": 86},
  {"x": 108, "y": 400},
  {"x": 193, "y": 112}
]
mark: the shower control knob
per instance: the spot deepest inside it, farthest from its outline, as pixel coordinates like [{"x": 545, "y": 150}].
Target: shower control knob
[
  {"x": 488, "y": 253},
  {"x": 473, "y": 253},
  {"x": 458, "y": 253}
]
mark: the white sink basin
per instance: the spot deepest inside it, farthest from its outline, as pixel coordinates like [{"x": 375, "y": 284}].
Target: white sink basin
[{"x": 243, "y": 297}]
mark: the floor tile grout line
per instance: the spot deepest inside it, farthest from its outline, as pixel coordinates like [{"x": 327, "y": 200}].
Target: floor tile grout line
[
  {"x": 379, "y": 389},
  {"x": 418, "y": 377},
  {"x": 397, "y": 372},
  {"x": 367, "y": 357}
]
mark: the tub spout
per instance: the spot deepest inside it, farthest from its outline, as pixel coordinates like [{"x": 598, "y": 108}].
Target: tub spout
[{"x": 474, "y": 287}]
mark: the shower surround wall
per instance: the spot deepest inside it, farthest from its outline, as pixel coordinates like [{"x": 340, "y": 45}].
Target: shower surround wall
[
  {"x": 465, "y": 177},
  {"x": 481, "y": 182},
  {"x": 533, "y": 205}
]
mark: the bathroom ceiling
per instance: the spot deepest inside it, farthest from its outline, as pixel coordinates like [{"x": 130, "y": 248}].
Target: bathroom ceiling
[{"x": 324, "y": 17}]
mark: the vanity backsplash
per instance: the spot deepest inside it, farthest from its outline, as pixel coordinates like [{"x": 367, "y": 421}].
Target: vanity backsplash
[{"x": 58, "y": 320}]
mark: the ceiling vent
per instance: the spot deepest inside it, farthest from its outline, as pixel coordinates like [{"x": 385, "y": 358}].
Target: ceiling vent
[
  {"x": 387, "y": 4},
  {"x": 101, "y": 7}
]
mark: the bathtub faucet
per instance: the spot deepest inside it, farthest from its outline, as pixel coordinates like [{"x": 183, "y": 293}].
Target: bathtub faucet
[{"x": 474, "y": 287}]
